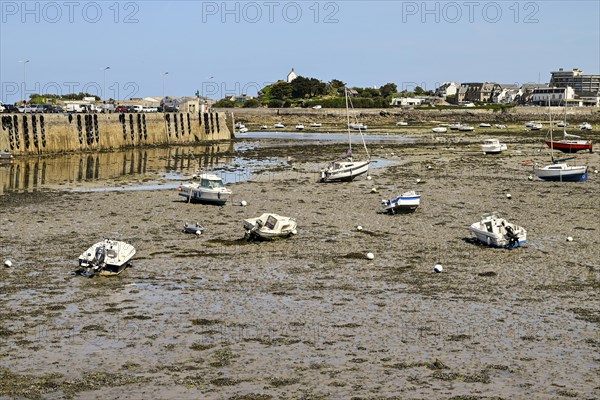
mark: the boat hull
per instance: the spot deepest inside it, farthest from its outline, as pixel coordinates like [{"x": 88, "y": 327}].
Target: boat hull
[
  {"x": 203, "y": 195},
  {"x": 402, "y": 205},
  {"x": 560, "y": 173},
  {"x": 570, "y": 146},
  {"x": 346, "y": 172},
  {"x": 497, "y": 232},
  {"x": 116, "y": 257},
  {"x": 493, "y": 149},
  {"x": 269, "y": 227}
]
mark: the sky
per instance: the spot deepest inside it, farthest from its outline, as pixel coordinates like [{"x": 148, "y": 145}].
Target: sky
[{"x": 124, "y": 49}]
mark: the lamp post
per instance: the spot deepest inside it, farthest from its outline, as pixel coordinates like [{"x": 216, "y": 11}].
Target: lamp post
[
  {"x": 23, "y": 89},
  {"x": 104, "y": 83},
  {"x": 163, "y": 75}
]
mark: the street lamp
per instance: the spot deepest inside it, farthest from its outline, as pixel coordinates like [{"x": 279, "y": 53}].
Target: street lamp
[
  {"x": 163, "y": 75},
  {"x": 104, "y": 83},
  {"x": 23, "y": 89}
]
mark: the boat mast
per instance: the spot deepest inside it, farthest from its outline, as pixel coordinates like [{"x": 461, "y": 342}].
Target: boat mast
[
  {"x": 551, "y": 139},
  {"x": 348, "y": 120}
]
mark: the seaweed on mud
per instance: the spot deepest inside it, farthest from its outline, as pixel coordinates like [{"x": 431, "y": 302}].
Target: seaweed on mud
[
  {"x": 586, "y": 315},
  {"x": 205, "y": 322},
  {"x": 251, "y": 396},
  {"x": 278, "y": 381},
  {"x": 201, "y": 346},
  {"x": 478, "y": 377},
  {"x": 224, "y": 381},
  {"x": 222, "y": 358},
  {"x": 487, "y": 273}
]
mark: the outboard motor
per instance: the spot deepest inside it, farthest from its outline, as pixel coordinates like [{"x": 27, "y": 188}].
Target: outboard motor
[
  {"x": 513, "y": 238},
  {"x": 99, "y": 257}
]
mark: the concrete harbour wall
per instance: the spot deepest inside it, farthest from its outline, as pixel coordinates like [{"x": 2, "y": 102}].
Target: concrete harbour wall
[{"x": 35, "y": 134}]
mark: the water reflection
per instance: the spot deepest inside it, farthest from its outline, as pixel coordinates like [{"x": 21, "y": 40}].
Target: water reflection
[{"x": 31, "y": 174}]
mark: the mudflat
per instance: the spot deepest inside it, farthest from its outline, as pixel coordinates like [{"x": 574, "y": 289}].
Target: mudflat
[{"x": 212, "y": 316}]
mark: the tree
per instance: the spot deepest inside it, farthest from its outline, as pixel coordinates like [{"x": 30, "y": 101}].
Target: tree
[
  {"x": 336, "y": 87},
  {"x": 281, "y": 90},
  {"x": 419, "y": 91},
  {"x": 252, "y": 103},
  {"x": 388, "y": 88},
  {"x": 224, "y": 103}
]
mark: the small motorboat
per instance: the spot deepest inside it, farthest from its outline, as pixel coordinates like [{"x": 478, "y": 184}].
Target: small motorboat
[
  {"x": 492, "y": 146},
  {"x": 485, "y": 125},
  {"x": 466, "y": 128},
  {"x": 243, "y": 129},
  {"x": 439, "y": 129},
  {"x": 108, "y": 257},
  {"x": 269, "y": 226},
  {"x": 315, "y": 125},
  {"x": 407, "y": 202},
  {"x": 585, "y": 126},
  {"x": 536, "y": 127},
  {"x": 193, "y": 227},
  {"x": 495, "y": 231},
  {"x": 208, "y": 189},
  {"x": 402, "y": 123},
  {"x": 358, "y": 126},
  {"x": 263, "y": 127},
  {"x": 562, "y": 124},
  {"x": 455, "y": 126},
  {"x": 299, "y": 127},
  {"x": 279, "y": 126},
  {"x": 500, "y": 126}
]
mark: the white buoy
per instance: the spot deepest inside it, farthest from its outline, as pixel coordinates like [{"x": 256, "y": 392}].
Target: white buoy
[
  {"x": 198, "y": 232},
  {"x": 294, "y": 232},
  {"x": 508, "y": 195},
  {"x": 429, "y": 167},
  {"x": 359, "y": 228},
  {"x": 370, "y": 256},
  {"x": 595, "y": 171},
  {"x": 374, "y": 190},
  {"x": 530, "y": 177},
  {"x": 569, "y": 239},
  {"x": 369, "y": 177},
  {"x": 8, "y": 263},
  {"x": 244, "y": 203},
  {"x": 438, "y": 268}
]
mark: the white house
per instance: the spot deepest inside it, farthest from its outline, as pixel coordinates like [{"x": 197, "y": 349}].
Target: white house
[
  {"x": 447, "y": 89},
  {"x": 406, "y": 101},
  {"x": 291, "y": 76},
  {"x": 552, "y": 96}
]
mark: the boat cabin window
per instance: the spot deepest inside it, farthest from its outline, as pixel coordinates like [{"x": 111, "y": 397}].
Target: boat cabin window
[
  {"x": 207, "y": 183},
  {"x": 271, "y": 221}
]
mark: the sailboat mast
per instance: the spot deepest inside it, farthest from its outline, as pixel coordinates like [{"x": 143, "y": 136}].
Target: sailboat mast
[
  {"x": 551, "y": 139},
  {"x": 348, "y": 120}
]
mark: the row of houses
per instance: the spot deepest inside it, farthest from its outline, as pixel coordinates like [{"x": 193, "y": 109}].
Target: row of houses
[{"x": 570, "y": 87}]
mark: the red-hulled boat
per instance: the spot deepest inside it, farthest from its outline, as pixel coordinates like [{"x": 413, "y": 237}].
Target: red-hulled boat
[{"x": 567, "y": 145}]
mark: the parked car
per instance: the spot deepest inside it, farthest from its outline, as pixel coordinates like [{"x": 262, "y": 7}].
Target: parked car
[
  {"x": 168, "y": 109},
  {"x": 31, "y": 108},
  {"x": 106, "y": 108},
  {"x": 137, "y": 108},
  {"x": 1, "y": 108},
  {"x": 122, "y": 109},
  {"x": 10, "y": 108}
]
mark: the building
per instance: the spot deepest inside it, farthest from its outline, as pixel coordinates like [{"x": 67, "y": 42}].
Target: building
[
  {"x": 447, "y": 89},
  {"x": 406, "y": 102},
  {"x": 478, "y": 92},
  {"x": 291, "y": 76},
  {"x": 507, "y": 94},
  {"x": 552, "y": 96},
  {"x": 583, "y": 85}
]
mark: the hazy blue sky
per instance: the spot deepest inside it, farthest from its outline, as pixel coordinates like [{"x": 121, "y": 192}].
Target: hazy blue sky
[{"x": 232, "y": 47}]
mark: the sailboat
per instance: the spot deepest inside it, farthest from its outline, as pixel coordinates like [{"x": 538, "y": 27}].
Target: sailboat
[
  {"x": 346, "y": 168},
  {"x": 570, "y": 143},
  {"x": 558, "y": 170}
]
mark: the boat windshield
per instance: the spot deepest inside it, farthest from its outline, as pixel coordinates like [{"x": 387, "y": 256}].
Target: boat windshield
[{"x": 212, "y": 184}]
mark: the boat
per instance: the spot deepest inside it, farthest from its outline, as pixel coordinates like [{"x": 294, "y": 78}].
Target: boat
[
  {"x": 569, "y": 143},
  {"x": 209, "y": 188},
  {"x": 455, "y": 126},
  {"x": 465, "y": 128},
  {"x": 560, "y": 171},
  {"x": 407, "y": 202},
  {"x": 585, "y": 126},
  {"x": 358, "y": 126},
  {"x": 269, "y": 226},
  {"x": 492, "y": 146},
  {"x": 402, "y": 123},
  {"x": 440, "y": 129},
  {"x": 263, "y": 127},
  {"x": 279, "y": 126},
  {"x": 529, "y": 124},
  {"x": 243, "y": 129},
  {"x": 108, "y": 257},
  {"x": 485, "y": 125},
  {"x": 315, "y": 125},
  {"x": 299, "y": 127},
  {"x": 193, "y": 227},
  {"x": 500, "y": 126},
  {"x": 536, "y": 127},
  {"x": 346, "y": 169},
  {"x": 239, "y": 125},
  {"x": 495, "y": 231}
]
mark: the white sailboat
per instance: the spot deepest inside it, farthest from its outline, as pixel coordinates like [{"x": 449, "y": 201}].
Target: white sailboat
[
  {"x": 346, "y": 169},
  {"x": 560, "y": 171}
]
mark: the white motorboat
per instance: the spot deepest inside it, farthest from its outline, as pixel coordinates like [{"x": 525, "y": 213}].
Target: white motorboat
[
  {"x": 492, "y": 146},
  {"x": 208, "y": 188},
  {"x": 357, "y": 126},
  {"x": 243, "y": 130},
  {"x": 239, "y": 125},
  {"x": 585, "y": 126},
  {"x": 562, "y": 124},
  {"x": 439, "y": 129},
  {"x": 300, "y": 127},
  {"x": 466, "y": 128},
  {"x": 407, "y": 202},
  {"x": 269, "y": 226},
  {"x": 536, "y": 127},
  {"x": 347, "y": 169},
  {"x": 496, "y": 231},
  {"x": 485, "y": 125},
  {"x": 402, "y": 123},
  {"x": 500, "y": 126},
  {"x": 315, "y": 125},
  {"x": 279, "y": 126},
  {"x": 455, "y": 126},
  {"x": 108, "y": 257},
  {"x": 263, "y": 127}
]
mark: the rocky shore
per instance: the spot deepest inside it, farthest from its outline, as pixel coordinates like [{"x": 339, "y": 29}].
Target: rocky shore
[{"x": 215, "y": 317}]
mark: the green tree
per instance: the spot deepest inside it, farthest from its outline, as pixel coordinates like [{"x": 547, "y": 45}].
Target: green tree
[
  {"x": 252, "y": 103},
  {"x": 388, "y": 89},
  {"x": 224, "y": 103},
  {"x": 419, "y": 91},
  {"x": 280, "y": 90}
]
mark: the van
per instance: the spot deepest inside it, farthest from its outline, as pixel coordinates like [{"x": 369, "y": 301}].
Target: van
[{"x": 137, "y": 108}]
